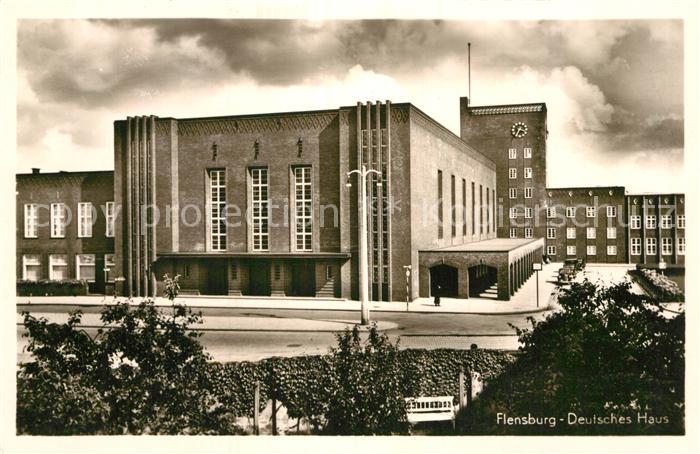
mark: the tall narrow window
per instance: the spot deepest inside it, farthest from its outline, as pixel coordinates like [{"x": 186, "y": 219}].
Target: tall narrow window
[
  {"x": 303, "y": 208},
  {"x": 217, "y": 209},
  {"x": 30, "y": 220},
  {"x": 259, "y": 181},
  {"x": 528, "y": 193},
  {"x": 464, "y": 207},
  {"x": 527, "y": 152},
  {"x": 109, "y": 219},
  {"x": 473, "y": 210},
  {"x": 488, "y": 205},
  {"x": 58, "y": 220},
  {"x": 440, "y": 214},
  {"x": 481, "y": 209},
  {"x": 453, "y": 211},
  {"x": 85, "y": 220}
]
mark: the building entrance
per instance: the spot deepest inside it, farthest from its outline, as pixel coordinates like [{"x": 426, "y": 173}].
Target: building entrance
[
  {"x": 443, "y": 281},
  {"x": 259, "y": 272},
  {"x": 303, "y": 278},
  {"x": 216, "y": 283}
]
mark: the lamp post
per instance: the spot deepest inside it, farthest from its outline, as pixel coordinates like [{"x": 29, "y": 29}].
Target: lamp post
[
  {"x": 364, "y": 282},
  {"x": 408, "y": 284}
]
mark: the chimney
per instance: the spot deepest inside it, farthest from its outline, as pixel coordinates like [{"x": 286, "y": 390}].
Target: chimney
[{"x": 36, "y": 170}]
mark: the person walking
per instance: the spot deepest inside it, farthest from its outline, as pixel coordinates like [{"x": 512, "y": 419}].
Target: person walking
[{"x": 438, "y": 290}]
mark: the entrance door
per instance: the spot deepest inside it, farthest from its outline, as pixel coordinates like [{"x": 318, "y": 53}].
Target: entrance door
[
  {"x": 443, "y": 281},
  {"x": 259, "y": 272},
  {"x": 303, "y": 278},
  {"x": 217, "y": 272}
]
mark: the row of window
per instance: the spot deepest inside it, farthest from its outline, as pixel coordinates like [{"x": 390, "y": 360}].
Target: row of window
[
  {"x": 513, "y": 153},
  {"x": 611, "y": 212},
  {"x": 58, "y": 266},
  {"x": 590, "y": 250},
  {"x": 513, "y": 193},
  {"x": 635, "y": 247},
  {"x": 570, "y": 233},
  {"x": 513, "y": 173},
  {"x": 485, "y": 210},
  {"x": 58, "y": 221},
  {"x": 591, "y": 232},
  {"x": 650, "y": 221},
  {"x": 651, "y": 249},
  {"x": 259, "y": 185}
]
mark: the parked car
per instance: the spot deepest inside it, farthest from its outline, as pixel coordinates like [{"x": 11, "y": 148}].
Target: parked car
[{"x": 576, "y": 264}]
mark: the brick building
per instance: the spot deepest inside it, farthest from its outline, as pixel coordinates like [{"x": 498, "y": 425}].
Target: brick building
[
  {"x": 586, "y": 223},
  {"x": 287, "y": 172},
  {"x": 263, "y": 205},
  {"x": 65, "y": 226},
  {"x": 656, "y": 228},
  {"x": 515, "y": 138}
]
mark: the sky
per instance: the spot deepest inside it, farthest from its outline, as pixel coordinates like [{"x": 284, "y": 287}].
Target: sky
[{"x": 614, "y": 89}]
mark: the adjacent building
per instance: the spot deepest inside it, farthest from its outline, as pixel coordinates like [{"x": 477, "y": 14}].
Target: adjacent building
[
  {"x": 265, "y": 205},
  {"x": 65, "y": 227}
]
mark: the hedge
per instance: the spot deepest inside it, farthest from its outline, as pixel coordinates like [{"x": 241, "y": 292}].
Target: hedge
[
  {"x": 658, "y": 285},
  {"x": 52, "y": 288},
  {"x": 299, "y": 383}
]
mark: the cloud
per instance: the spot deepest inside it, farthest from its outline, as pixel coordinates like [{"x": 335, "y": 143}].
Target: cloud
[
  {"x": 89, "y": 63},
  {"x": 614, "y": 89}
]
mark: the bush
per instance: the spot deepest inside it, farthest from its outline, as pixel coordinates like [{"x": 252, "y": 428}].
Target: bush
[
  {"x": 366, "y": 396},
  {"x": 145, "y": 373},
  {"x": 52, "y": 288},
  {"x": 607, "y": 352},
  {"x": 658, "y": 285}
]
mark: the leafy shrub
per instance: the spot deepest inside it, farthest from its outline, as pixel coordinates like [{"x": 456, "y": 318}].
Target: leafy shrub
[
  {"x": 145, "y": 373},
  {"x": 366, "y": 396},
  {"x": 658, "y": 285},
  {"x": 52, "y": 288},
  {"x": 607, "y": 352}
]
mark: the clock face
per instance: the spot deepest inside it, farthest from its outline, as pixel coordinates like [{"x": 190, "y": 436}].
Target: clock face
[{"x": 518, "y": 129}]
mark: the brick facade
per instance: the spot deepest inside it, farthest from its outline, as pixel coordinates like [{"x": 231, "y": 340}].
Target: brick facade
[
  {"x": 70, "y": 189},
  {"x": 436, "y": 192}
]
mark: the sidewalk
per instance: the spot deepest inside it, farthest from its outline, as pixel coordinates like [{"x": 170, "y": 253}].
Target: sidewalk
[
  {"x": 212, "y": 323},
  {"x": 523, "y": 302}
]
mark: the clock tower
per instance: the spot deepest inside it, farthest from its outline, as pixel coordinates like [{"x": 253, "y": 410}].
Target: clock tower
[{"x": 514, "y": 136}]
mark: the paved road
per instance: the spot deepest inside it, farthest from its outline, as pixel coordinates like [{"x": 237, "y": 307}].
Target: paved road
[{"x": 426, "y": 330}]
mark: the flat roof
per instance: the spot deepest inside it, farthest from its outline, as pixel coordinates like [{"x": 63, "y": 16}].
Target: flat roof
[{"x": 493, "y": 245}]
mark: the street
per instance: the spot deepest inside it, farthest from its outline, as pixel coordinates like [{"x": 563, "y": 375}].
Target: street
[{"x": 417, "y": 330}]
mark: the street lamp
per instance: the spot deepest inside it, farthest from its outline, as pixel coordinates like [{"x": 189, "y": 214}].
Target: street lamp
[{"x": 364, "y": 282}]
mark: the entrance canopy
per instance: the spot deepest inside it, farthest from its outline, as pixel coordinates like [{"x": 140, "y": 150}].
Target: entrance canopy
[{"x": 507, "y": 260}]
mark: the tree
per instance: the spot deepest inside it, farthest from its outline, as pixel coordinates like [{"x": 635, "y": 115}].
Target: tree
[
  {"x": 144, "y": 371},
  {"x": 366, "y": 396},
  {"x": 607, "y": 352}
]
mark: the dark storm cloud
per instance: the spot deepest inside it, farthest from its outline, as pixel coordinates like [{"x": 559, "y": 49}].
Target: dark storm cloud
[
  {"x": 276, "y": 52},
  {"x": 76, "y": 68},
  {"x": 630, "y": 131}
]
